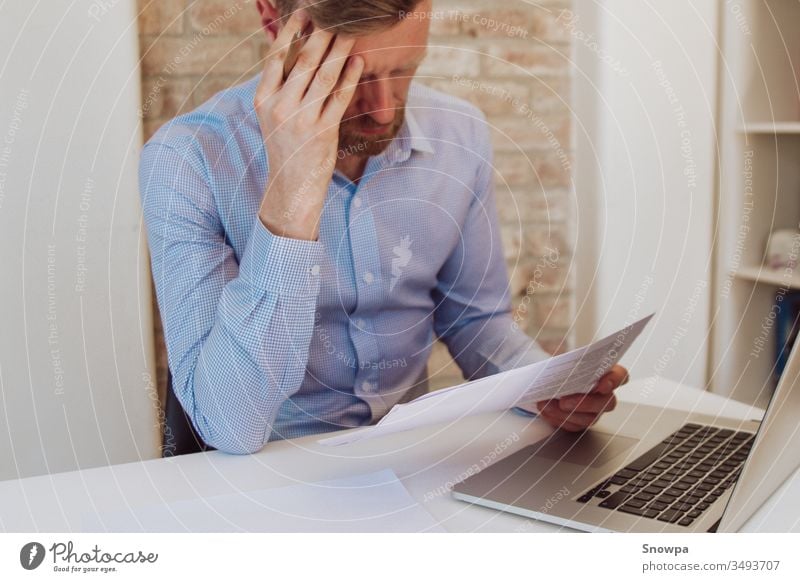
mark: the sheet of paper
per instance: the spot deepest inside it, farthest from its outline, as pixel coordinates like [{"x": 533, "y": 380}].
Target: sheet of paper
[
  {"x": 571, "y": 373},
  {"x": 375, "y": 502}
]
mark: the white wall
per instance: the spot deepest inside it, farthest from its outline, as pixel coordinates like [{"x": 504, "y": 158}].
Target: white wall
[
  {"x": 645, "y": 104},
  {"x": 76, "y": 347}
]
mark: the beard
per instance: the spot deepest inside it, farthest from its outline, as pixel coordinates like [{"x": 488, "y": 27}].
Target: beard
[{"x": 353, "y": 142}]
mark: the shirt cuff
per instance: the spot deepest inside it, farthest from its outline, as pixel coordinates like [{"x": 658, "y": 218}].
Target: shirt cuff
[{"x": 281, "y": 265}]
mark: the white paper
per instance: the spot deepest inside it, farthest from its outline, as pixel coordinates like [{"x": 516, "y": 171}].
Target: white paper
[
  {"x": 571, "y": 373},
  {"x": 375, "y": 502}
]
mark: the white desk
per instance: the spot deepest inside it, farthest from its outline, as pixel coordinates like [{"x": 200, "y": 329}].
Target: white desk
[{"x": 425, "y": 460}]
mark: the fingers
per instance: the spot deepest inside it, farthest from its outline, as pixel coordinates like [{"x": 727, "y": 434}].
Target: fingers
[
  {"x": 611, "y": 380},
  {"x": 564, "y": 425},
  {"x": 571, "y": 427},
  {"x": 580, "y": 411},
  {"x": 589, "y": 403},
  {"x": 340, "y": 98},
  {"x": 328, "y": 73},
  {"x": 308, "y": 60},
  {"x": 571, "y": 421},
  {"x": 272, "y": 77}
]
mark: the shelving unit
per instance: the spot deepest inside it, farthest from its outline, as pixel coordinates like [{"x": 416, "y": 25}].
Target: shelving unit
[
  {"x": 768, "y": 277},
  {"x": 759, "y": 191}
]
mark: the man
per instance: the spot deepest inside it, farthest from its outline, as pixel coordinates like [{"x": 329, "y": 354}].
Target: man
[{"x": 311, "y": 237}]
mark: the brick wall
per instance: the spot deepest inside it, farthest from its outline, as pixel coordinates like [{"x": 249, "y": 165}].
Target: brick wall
[{"x": 510, "y": 58}]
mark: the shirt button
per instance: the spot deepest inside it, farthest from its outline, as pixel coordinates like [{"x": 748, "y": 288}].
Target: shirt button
[
  {"x": 368, "y": 278},
  {"x": 357, "y": 202},
  {"x": 361, "y": 323},
  {"x": 367, "y": 386},
  {"x": 315, "y": 270}
]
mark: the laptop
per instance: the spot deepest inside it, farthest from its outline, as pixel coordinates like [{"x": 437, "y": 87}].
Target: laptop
[{"x": 651, "y": 469}]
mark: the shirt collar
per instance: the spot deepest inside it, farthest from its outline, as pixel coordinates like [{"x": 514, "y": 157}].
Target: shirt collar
[{"x": 410, "y": 137}]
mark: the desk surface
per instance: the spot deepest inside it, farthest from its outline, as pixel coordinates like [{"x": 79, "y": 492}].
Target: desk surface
[{"x": 425, "y": 460}]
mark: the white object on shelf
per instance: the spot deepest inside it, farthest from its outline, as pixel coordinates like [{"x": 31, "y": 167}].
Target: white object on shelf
[
  {"x": 770, "y": 127},
  {"x": 782, "y": 249}
]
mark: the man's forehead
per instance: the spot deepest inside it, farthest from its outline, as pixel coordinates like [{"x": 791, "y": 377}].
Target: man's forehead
[
  {"x": 400, "y": 46},
  {"x": 386, "y": 59}
]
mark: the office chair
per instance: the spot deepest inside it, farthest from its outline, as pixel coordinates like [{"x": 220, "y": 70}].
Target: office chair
[{"x": 178, "y": 434}]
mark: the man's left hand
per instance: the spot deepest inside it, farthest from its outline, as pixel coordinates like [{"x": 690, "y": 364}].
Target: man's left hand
[{"x": 580, "y": 411}]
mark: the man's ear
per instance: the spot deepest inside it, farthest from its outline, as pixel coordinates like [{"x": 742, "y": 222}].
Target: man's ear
[{"x": 269, "y": 18}]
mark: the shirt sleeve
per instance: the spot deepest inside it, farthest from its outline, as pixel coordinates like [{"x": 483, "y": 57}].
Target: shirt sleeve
[
  {"x": 237, "y": 329},
  {"x": 473, "y": 315}
]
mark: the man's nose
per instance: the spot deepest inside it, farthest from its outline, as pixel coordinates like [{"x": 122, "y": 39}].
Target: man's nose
[{"x": 379, "y": 101}]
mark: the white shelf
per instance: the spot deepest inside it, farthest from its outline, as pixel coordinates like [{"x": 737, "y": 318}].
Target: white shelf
[
  {"x": 759, "y": 173},
  {"x": 768, "y": 276},
  {"x": 771, "y": 128}
]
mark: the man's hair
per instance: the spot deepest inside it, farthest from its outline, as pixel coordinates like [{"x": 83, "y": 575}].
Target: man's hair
[{"x": 351, "y": 17}]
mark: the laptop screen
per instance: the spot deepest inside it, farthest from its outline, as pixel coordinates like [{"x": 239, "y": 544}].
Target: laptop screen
[{"x": 775, "y": 453}]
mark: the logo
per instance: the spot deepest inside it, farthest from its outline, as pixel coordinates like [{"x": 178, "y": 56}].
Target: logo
[
  {"x": 31, "y": 555},
  {"x": 401, "y": 259}
]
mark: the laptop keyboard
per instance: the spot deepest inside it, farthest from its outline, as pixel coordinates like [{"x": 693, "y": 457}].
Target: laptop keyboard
[{"x": 679, "y": 478}]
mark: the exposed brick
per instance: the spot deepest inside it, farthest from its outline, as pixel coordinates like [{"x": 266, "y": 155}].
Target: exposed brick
[
  {"x": 550, "y": 94},
  {"x": 164, "y": 97},
  {"x": 537, "y": 169},
  {"x": 197, "y": 55},
  {"x": 490, "y": 96},
  {"x": 209, "y": 86},
  {"x": 522, "y": 21},
  {"x": 445, "y": 21},
  {"x": 513, "y": 207},
  {"x": 512, "y": 243},
  {"x": 534, "y": 241},
  {"x": 544, "y": 95},
  {"x": 553, "y": 311},
  {"x": 523, "y": 59},
  {"x": 520, "y": 315},
  {"x": 554, "y": 344},
  {"x": 158, "y": 17},
  {"x": 537, "y": 277},
  {"x": 551, "y": 169},
  {"x": 531, "y": 131},
  {"x": 225, "y": 17},
  {"x": 446, "y": 60},
  {"x": 525, "y": 205},
  {"x": 543, "y": 240},
  {"x": 513, "y": 169}
]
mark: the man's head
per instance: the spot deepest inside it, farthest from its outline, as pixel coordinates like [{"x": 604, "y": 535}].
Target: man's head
[{"x": 392, "y": 42}]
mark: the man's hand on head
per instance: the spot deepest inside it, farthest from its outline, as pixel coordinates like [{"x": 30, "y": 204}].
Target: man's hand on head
[
  {"x": 299, "y": 121},
  {"x": 580, "y": 411}
]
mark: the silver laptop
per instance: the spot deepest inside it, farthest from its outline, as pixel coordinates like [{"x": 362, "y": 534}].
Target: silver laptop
[{"x": 650, "y": 469}]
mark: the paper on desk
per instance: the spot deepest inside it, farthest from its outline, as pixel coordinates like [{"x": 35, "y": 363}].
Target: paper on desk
[
  {"x": 571, "y": 373},
  {"x": 374, "y": 502}
]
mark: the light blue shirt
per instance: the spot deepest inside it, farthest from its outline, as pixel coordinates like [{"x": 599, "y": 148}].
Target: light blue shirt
[{"x": 270, "y": 337}]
